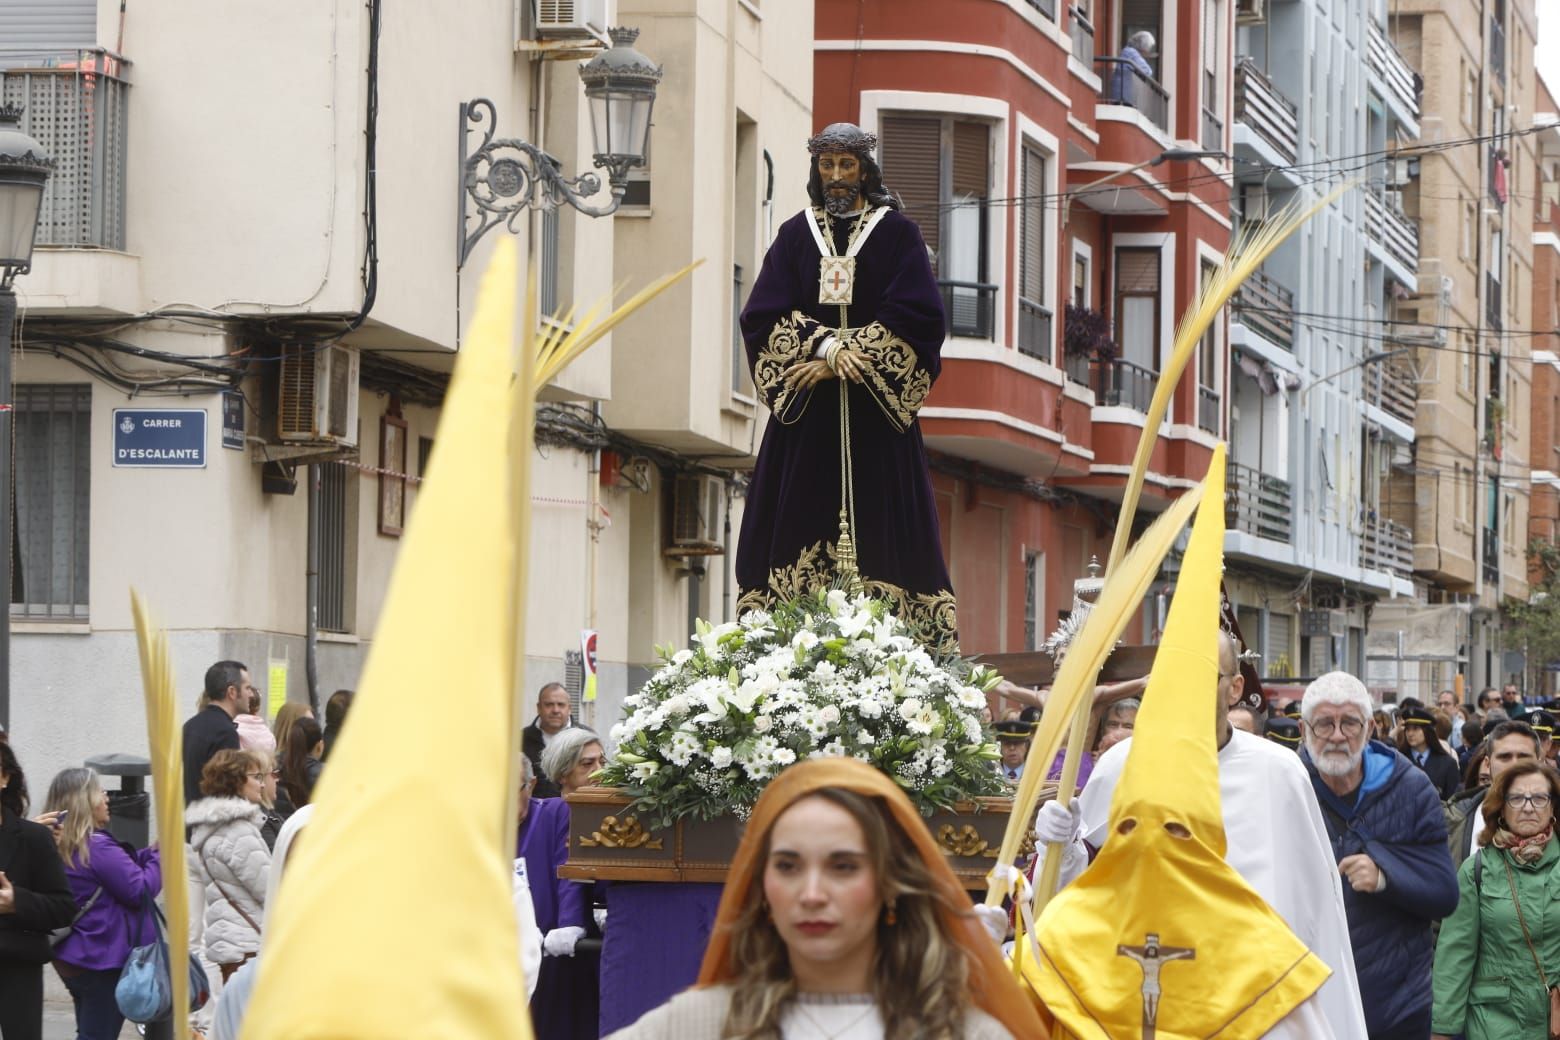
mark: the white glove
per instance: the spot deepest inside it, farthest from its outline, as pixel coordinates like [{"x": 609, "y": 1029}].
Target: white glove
[
  {"x": 1075, "y": 860},
  {"x": 1056, "y": 825},
  {"x": 995, "y": 920},
  {"x": 600, "y": 913},
  {"x": 560, "y": 941}
]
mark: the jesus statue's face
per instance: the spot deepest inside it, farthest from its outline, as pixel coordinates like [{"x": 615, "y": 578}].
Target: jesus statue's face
[{"x": 841, "y": 176}]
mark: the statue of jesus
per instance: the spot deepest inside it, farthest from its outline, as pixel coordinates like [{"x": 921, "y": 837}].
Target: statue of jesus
[{"x": 846, "y": 303}]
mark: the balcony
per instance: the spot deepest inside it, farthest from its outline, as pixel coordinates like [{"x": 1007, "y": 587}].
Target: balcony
[
  {"x": 1122, "y": 84},
  {"x": 1492, "y": 302},
  {"x": 1125, "y": 384},
  {"x": 1387, "y": 227},
  {"x": 1045, "y": 7},
  {"x": 970, "y": 307},
  {"x": 1208, "y": 409},
  {"x": 1391, "y": 387},
  {"x": 1491, "y": 568},
  {"x": 76, "y": 108},
  {"x": 1388, "y": 66},
  {"x": 1256, "y": 503},
  {"x": 1082, "y": 37},
  {"x": 1498, "y": 50},
  {"x": 1077, "y": 368},
  {"x": 1034, "y": 329},
  {"x": 1212, "y": 131},
  {"x": 1266, "y": 308},
  {"x": 1265, "y": 109},
  {"x": 1387, "y": 546}
]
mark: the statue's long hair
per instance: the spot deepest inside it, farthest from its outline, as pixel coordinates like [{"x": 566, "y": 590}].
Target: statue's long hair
[{"x": 871, "y": 184}]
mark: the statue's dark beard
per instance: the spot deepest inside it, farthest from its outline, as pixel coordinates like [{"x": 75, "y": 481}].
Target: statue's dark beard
[{"x": 839, "y": 205}]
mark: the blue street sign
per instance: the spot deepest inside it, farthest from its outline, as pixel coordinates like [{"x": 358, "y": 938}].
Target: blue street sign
[{"x": 167, "y": 437}]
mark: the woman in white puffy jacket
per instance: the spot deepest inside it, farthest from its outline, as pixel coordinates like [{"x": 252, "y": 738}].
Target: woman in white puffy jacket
[{"x": 231, "y": 856}]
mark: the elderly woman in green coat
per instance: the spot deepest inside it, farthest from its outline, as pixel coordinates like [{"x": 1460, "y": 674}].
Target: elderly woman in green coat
[{"x": 1500, "y": 951}]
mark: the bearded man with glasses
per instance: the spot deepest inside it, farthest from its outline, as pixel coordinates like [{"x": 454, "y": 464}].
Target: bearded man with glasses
[{"x": 1389, "y": 837}]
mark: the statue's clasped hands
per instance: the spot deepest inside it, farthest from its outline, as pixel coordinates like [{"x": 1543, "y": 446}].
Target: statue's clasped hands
[{"x": 848, "y": 364}]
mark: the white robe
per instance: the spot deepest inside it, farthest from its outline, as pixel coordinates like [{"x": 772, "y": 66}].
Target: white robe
[{"x": 1276, "y": 840}]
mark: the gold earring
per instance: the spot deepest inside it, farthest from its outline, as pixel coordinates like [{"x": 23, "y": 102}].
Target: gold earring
[{"x": 891, "y": 918}]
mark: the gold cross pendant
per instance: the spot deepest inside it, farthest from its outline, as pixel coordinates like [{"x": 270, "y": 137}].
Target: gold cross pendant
[{"x": 836, "y": 280}]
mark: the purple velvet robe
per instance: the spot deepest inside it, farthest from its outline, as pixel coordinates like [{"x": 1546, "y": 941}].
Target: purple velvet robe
[
  {"x": 791, "y": 522},
  {"x": 567, "y": 988}
]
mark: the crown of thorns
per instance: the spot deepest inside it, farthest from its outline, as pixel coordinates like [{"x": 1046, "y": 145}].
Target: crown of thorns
[{"x": 842, "y": 137}]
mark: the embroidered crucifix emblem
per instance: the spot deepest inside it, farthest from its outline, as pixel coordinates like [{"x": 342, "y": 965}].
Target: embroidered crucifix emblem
[
  {"x": 836, "y": 280},
  {"x": 1150, "y": 957}
]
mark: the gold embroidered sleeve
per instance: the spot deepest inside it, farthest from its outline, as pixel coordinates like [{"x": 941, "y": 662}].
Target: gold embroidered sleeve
[
  {"x": 792, "y": 341},
  {"x": 896, "y": 380}
]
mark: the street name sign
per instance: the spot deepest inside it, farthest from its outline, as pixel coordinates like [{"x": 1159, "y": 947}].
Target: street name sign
[{"x": 173, "y": 438}]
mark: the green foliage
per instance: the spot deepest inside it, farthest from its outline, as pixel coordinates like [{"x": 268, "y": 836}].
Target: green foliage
[{"x": 1535, "y": 624}]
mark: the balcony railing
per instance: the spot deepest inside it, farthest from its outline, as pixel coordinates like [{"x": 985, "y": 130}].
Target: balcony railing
[
  {"x": 1082, "y": 37},
  {"x": 1386, "y": 545},
  {"x": 1492, "y": 302},
  {"x": 1392, "y": 388},
  {"x": 970, "y": 307},
  {"x": 1267, "y": 308},
  {"x": 1077, "y": 368},
  {"x": 1208, "y": 409},
  {"x": 1212, "y": 131},
  {"x": 1264, "y": 108},
  {"x": 1256, "y": 503},
  {"x": 1034, "y": 329},
  {"x": 1387, "y": 224},
  {"x": 1498, "y": 49},
  {"x": 1491, "y": 547},
  {"x": 1124, "y": 383},
  {"x": 76, "y": 107},
  {"x": 1388, "y": 65},
  {"x": 1123, "y": 84}
]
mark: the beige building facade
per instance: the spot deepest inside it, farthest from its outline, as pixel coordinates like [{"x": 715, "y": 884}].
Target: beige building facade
[
  {"x": 1473, "y": 201},
  {"x": 236, "y": 190}
]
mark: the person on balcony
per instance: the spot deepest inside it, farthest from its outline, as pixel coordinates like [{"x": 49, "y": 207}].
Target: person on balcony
[
  {"x": 1134, "y": 58},
  {"x": 844, "y": 332}
]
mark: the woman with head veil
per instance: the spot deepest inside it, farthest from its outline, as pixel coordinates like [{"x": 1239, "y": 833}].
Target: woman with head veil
[{"x": 841, "y": 920}]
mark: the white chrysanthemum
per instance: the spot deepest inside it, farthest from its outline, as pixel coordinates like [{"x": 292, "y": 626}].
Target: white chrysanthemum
[
  {"x": 784, "y": 756},
  {"x": 865, "y": 737},
  {"x": 720, "y": 756},
  {"x": 972, "y": 729}
]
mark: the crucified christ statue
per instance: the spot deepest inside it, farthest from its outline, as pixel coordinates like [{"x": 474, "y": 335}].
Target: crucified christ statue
[{"x": 1150, "y": 957}]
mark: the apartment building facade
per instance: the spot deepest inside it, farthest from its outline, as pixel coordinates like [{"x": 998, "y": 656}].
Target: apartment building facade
[
  {"x": 1544, "y": 454},
  {"x": 991, "y": 117},
  {"x": 242, "y": 193},
  {"x": 1469, "y": 481}
]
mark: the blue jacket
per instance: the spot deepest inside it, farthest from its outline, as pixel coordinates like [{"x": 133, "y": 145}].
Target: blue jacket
[{"x": 1395, "y": 818}]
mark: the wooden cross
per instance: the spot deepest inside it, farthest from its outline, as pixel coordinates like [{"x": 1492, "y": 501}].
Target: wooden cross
[
  {"x": 839, "y": 279},
  {"x": 1150, "y": 957}
]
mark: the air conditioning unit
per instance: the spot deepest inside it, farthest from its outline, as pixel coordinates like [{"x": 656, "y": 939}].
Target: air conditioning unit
[
  {"x": 318, "y": 403},
  {"x": 698, "y": 515},
  {"x": 569, "y": 19},
  {"x": 1250, "y": 12},
  {"x": 1254, "y": 203}
]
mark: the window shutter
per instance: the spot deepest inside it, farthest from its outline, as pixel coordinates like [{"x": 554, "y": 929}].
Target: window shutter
[
  {"x": 1137, "y": 271},
  {"x": 1032, "y": 219},
  {"x": 971, "y": 169},
  {"x": 911, "y": 152},
  {"x": 45, "y": 28}
]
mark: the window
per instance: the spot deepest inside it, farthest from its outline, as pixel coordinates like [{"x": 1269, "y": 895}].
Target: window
[
  {"x": 1208, "y": 354},
  {"x": 1034, "y": 318},
  {"x": 1465, "y": 359},
  {"x": 1470, "y": 104},
  {"x": 1462, "y": 492},
  {"x": 547, "y": 289},
  {"x": 1080, "y": 283},
  {"x": 741, "y": 380},
  {"x": 53, "y": 476},
  {"x": 1469, "y": 222},
  {"x": 941, "y": 168},
  {"x": 1034, "y": 599},
  {"x": 1137, "y": 306},
  {"x": 338, "y": 546}
]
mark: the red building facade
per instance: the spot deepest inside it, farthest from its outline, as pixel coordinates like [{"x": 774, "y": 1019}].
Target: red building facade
[
  {"x": 1544, "y": 503},
  {"x": 991, "y": 116}
]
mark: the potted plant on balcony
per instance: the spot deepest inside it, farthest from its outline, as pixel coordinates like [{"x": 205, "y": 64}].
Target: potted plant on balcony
[{"x": 1086, "y": 334}]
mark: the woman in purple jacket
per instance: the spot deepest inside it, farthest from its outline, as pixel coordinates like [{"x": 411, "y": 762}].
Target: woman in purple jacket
[{"x": 113, "y": 885}]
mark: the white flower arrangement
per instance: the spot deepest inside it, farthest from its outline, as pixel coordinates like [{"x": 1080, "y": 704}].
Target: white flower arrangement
[{"x": 824, "y": 675}]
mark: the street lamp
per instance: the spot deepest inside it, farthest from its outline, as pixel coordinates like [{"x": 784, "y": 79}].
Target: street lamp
[
  {"x": 24, "y": 168},
  {"x": 506, "y": 177},
  {"x": 1368, "y": 359}
]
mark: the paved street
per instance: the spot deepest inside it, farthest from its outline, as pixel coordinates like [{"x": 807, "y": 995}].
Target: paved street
[{"x": 59, "y": 1020}]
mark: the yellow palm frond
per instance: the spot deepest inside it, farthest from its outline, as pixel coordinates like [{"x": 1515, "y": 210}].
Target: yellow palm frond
[
  {"x": 1075, "y": 678},
  {"x": 163, "y": 739},
  {"x": 1246, "y": 254},
  {"x": 557, "y": 347}
]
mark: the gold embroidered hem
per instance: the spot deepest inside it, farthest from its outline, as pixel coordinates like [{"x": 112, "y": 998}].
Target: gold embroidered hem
[
  {"x": 794, "y": 338},
  {"x": 932, "y": 617},
  {"x": 895, "y": 380}
]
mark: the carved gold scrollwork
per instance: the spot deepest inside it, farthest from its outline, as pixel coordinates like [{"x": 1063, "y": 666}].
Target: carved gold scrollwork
[
  {"x": 627, "y": 833},
  {"x": 966, "y": 841}
]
